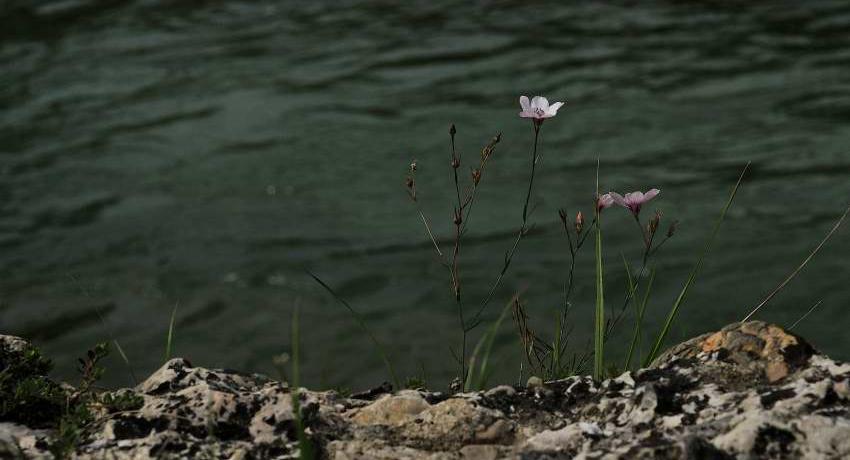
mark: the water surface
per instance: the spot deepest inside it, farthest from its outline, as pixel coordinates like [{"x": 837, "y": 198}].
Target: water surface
[{"x": 205, "y": 154}]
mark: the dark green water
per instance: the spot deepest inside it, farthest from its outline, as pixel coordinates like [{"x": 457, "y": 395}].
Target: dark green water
[{"x": 204, "y": 154}]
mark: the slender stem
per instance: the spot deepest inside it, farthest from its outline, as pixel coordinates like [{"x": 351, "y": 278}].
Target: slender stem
[
  {"x": 641, "y": 309},
  {"x": 520, "y": 234},
  {"x": 799, "y": 267},
  {"x": 531, "y": 180},
  {"x": 816, "y": 305},
  {"x": 428, "y": 230},
  {"x": 455, "y": 272},
  {"x": 599, "y": 329}
]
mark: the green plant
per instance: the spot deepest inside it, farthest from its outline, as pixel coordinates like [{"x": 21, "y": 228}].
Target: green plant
[
  {"x": 379, "y": 347},
  {"x": 477, "y": 377},
  {"x": 170, "y": 338},
  {"x": 77, "y": 414},
  {"x": 121, "y": 401},
  {"x": 27, "y": 396},
  {"x": 599, "y": 323},
  {"x": 674, "y": 310}
]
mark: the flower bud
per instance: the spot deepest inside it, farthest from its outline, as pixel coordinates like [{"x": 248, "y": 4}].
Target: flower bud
[
  {"x": 652, "y": 227},
  {"x": 579, "y": 222}
]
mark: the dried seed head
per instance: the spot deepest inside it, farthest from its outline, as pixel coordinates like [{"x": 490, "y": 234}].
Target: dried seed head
[
  {"x": 488, "y": 149},
  {"x": 672, "y": 229},
  {"x": 476, "y": 176}
]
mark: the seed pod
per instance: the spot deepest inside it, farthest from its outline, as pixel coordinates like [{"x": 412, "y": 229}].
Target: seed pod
[{"x": 672, "y": 229}]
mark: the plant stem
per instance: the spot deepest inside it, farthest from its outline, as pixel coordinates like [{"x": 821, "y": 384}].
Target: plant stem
[
  {"x": 522, "y": 232},
  {"x": 531, "y": 180},
  {"x": 799, "y": 267},
  {"x": 599, "y": 329},
  {"x": 599, "y": 335}
]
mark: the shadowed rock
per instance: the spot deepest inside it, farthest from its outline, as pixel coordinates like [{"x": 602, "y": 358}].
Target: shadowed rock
[{"x": 750, "y": 390}]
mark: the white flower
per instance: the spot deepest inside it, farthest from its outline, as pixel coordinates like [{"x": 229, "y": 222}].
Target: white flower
[{"x": 538, "y": 108}]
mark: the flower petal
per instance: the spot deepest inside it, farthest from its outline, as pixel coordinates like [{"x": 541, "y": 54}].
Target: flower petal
[
  {"x": 524, "y": 103},
  {"x": 618, "y": 199},
  {"x": 539, "y": 102},
  {"x": 553, "y": 109},
  {"x": 651, "y": 194}
]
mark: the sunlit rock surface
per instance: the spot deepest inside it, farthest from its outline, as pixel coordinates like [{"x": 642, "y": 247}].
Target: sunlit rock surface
[{"x": 751, "y": 390}]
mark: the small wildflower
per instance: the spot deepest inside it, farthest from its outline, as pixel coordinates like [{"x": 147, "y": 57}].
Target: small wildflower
[
  {"x": 538, "y": 108},
  {"x": 579, "y": 222},
  {"x": 604, "y": 201},
  {"x": 633, "y": 201}
]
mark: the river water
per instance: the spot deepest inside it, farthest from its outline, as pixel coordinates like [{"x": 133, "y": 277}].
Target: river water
[{"x": 204, "y": 155}]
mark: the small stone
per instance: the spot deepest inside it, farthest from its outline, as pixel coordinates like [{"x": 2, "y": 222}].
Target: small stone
[
  {"x": 392, "y": 410},
  {"x": 534, "y": 382},
  {"x": 501, "y": 390}
]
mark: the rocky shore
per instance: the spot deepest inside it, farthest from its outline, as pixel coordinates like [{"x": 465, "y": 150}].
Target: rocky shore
[{"x": 748, "y": 391}]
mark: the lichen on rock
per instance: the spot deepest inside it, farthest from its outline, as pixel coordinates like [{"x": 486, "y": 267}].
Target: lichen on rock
[{"x": 750, "y": 390}]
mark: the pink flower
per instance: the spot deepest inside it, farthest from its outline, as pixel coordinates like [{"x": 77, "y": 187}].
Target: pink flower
[
  {"x": 538, "y": 109},
  {"x": 604, "y": 201},
  {"x": 633, "y": 201}
]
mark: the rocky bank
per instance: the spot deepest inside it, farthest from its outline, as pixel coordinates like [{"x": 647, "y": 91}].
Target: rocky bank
[{"x": 748, "y": 391}]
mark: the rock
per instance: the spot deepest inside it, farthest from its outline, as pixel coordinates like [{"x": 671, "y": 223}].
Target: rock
[
  {"x": 756, "y": 349},
  {"x": 748, "y": 391},
  {"x": 392, "y": 410}
]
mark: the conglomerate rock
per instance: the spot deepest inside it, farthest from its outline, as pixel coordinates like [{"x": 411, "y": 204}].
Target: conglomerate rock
[{"x": 750, "y": 390}]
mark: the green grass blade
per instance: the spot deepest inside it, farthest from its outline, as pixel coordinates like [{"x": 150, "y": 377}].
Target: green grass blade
[
  {"x": 599, "y": 332},
  {"x": 170, "y": 339},
  {"x": 799, "y": 267},
  {"x": 800, "y": 319},
  {"x": 362, "y": 323},
  {"x": 659, "y": 341},
  {"x": 486, "y": 341},
  {"x": 641, "y": 309},
  {"x": 555, "y": 368}
]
